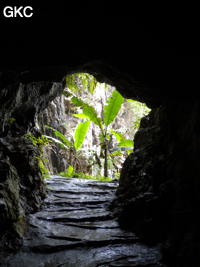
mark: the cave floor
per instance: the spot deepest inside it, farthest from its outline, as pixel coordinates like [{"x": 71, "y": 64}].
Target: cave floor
[{"x": 75, "y": 228}]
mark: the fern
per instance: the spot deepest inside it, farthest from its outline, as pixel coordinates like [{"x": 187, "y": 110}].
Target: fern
[{"x": 113, "y": 106}]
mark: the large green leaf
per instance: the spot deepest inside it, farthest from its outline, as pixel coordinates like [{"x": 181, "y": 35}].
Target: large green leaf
[
  {"x": 80, "y": 134},
  {"x": 118, "y": 135},
  {"x": 81, "y": 116},
  {"x": 129, "y": 151},
  {"x": 70, "y": 170},
  {"x": 113, "y": 106},
  {"x": 61, "y": 136},
  {"x": 92, "y": 85},
  {"x": 56, "y": 141},
  {"x": 117, "y": 153},
  {"x": 126, "y": 143},
  {"x": 88, "y": 110},
  {"x": 77, "y": 101}
]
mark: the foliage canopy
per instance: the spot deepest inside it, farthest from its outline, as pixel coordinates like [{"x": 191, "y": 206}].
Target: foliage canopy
[{"x": 113, "y": 141}]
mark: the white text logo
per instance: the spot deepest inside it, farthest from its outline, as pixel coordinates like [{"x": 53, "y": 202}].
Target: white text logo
[{"x": 14, "y": 12}]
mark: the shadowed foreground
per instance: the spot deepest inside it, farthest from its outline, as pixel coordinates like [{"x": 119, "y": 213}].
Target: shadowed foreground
[{"x": 75, "y": 228}]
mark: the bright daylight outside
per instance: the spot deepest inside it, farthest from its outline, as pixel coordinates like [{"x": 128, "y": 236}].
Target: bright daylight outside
[{"x": 98, "y": 132}]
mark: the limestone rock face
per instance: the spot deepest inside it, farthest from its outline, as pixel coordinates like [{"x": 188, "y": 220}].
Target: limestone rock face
[
  {"x": 158, "y": 191},
  {"x": 21, "y": 184},
  {"x": 55, "y": 116}
]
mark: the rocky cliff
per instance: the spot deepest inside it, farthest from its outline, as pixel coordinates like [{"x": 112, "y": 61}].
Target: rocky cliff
[
  {"x": 55, "y": 115},
  {"x": 21, "y": 184}
]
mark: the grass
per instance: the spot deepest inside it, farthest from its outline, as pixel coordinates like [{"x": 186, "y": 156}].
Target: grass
[{"x": 82, "y": 175}]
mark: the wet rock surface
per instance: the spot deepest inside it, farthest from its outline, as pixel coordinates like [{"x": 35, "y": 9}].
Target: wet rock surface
[
  {"x": 159, "y": 182},
  {"x": 21, "y": 186},
  {"x": 55, "y": 115},
  {"x": 76, "y": 228}
]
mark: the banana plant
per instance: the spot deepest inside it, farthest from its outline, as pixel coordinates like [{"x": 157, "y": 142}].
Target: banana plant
[
  {"x": 111, "y": 109},
  {"x": 73, "y": 145},
  {"x": 123, "y": 142}
]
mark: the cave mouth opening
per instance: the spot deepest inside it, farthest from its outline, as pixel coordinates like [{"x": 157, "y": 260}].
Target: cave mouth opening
[{"x": 89, "y": 129}]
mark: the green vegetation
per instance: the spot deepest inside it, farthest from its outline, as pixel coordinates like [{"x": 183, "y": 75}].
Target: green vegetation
[
  {"x": 40, "y": 142},
  {"x": 73, "y": 145},
  {"x": 77, "y": 140},
  {"x": 110, "y": 111},
  {"x": 41, "y": 164},
  {"x": 98, "y": 122},
  {"x": 140, "y": 110},
  {"x": 81, "y": 81},
  {"x": 37, "y": 141},
  {"x": 80, "y": 134},
  {"x": 11, "y": 121},
  {"x": 70, "y": 173}
]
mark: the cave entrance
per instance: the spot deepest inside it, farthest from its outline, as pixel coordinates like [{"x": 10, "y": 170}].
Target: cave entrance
[{"x": 90, "y": 129}]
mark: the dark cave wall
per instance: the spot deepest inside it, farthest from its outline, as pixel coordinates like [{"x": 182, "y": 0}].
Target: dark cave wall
[
  {"x": 21, "y": 183},
  {"x": 158, "y": 195},
  {"x": 159, "y": 186}
]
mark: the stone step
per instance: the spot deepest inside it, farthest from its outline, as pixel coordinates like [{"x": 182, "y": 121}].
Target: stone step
[{"x": 74, "y": 228}]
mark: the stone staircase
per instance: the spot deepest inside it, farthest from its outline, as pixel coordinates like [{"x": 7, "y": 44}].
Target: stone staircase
[{"x": 74, "y": 228}]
